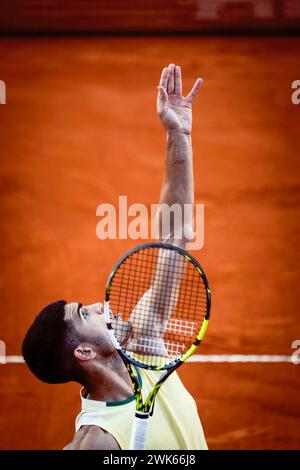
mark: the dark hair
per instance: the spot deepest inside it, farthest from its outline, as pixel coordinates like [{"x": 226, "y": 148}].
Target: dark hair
[{"x": 45, "y": 346}]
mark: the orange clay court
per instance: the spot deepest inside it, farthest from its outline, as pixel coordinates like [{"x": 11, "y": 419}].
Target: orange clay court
[{"x": 79, "y": 129}]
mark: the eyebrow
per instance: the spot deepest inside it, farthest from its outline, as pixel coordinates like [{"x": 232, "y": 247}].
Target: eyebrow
[{"x": 78, "y": 309}]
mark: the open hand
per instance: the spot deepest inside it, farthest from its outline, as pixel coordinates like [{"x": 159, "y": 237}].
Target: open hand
[{"x": 175, "y": 110}]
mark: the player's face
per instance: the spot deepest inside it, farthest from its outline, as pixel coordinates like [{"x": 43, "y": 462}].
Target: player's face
[{"x": 89, "y": 321}]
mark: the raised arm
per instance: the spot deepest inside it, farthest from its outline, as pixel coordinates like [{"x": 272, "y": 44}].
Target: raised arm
[
  {"x": 175, "y": 112},
  {"x": 177, "y": 192}
]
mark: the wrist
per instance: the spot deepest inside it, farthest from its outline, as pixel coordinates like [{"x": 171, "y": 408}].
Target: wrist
[
  {"x": 178, "y": 136},
  {"x": 175, "y": 131}
]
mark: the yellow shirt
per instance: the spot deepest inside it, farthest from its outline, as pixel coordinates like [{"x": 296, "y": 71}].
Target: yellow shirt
[{"x": 175, "y": 424}]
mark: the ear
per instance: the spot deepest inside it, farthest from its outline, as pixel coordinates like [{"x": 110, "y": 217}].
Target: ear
[{"x": 84, "y": 352}]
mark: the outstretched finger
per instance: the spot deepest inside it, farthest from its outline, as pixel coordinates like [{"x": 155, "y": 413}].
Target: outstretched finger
[
  {"x": 171, "y": 80},
  {"x": 192, "y": 94},
  {"x": 178, "y": 81},
  {"x": 164, "y": 77}
]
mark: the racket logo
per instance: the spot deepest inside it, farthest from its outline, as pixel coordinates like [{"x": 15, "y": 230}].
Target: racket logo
[{"x": 178, "y": 326}]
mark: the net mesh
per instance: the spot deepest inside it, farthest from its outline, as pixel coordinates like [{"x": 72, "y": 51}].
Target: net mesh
[{"x": 158, "y": 302}]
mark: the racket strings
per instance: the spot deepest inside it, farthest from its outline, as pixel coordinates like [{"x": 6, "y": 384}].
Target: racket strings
[
  {"x": 157, "y": 347},
  {"x": 163, "y": 296}
]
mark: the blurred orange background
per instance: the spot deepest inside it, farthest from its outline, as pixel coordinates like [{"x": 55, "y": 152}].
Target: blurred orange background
[{"x": 80, "y": 128}]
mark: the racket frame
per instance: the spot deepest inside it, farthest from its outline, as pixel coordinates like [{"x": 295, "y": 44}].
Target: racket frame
[{"x": 145, "y": 409}]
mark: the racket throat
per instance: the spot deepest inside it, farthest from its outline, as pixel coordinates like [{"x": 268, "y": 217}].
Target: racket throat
[
  {"x": 146, "y": 410},
  {"x": 152, "y": 409}
]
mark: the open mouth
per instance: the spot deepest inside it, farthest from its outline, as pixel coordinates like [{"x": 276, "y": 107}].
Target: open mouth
[{"x": 122, "y": 328}]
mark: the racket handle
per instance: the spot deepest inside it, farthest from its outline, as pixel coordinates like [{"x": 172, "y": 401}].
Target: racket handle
[{"x": 139, "y": 431}]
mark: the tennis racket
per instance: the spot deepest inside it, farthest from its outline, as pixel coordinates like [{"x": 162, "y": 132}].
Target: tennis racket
[{"x": 157, "y": 307}]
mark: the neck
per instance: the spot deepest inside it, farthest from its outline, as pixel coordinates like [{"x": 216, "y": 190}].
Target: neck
[{"x": 109, "y": 381}]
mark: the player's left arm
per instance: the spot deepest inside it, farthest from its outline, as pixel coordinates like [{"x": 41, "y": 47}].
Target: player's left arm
[
  {"x": 177, "y": 191},
  {"x": 175, "y": 113}
]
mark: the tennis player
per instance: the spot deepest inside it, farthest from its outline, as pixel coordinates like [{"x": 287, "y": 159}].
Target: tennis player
[{"x": 70, "y": 342}]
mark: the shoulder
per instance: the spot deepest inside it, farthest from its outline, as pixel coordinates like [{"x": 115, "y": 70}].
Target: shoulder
[{"x": 92, "y": 438}]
